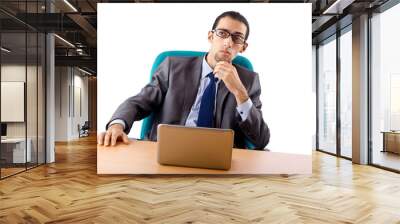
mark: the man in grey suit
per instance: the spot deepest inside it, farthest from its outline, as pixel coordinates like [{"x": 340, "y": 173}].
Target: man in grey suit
[{"x": 206, "y": 91}]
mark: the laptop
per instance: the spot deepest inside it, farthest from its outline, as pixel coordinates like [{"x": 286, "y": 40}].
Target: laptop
[{"x": 198, "y": 147}]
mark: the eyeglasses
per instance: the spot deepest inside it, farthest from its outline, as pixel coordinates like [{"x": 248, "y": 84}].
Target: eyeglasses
[{"x": 236, "y": 38}]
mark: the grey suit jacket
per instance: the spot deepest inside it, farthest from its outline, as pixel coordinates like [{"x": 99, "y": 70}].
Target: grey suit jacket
[{"x": 172, "y": 92}]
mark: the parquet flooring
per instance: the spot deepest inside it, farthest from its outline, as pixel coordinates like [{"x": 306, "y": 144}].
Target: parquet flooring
[
  {"x": 10, "y": 171},
  {"x": 387, "y": 159},
  {"x": 70, "y": 191}
]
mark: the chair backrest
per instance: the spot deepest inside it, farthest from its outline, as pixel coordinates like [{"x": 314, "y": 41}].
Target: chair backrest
[
  {"x": 148, "y": 121},
  {"x": 86, "y": 125}
]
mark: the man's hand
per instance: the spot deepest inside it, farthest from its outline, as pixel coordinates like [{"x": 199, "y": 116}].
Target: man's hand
[
  {"x": 227, "y": 72},
  {"x": 113, "y": 133}
]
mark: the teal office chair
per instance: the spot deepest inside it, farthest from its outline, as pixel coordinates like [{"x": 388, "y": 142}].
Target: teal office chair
[{"x": 148, "y": 121}]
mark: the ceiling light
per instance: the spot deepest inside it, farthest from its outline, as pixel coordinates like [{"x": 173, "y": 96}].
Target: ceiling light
[
  {"x": 70, "y": 5},
  {"x": 5, "y": 50},
  {"x": 338, "y": 6},
  {"x": 64, "y": 40},
  {"x": 84, "y": 71}
]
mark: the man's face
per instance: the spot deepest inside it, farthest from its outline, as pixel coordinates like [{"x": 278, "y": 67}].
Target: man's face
[{"x": 226, "y": 49}]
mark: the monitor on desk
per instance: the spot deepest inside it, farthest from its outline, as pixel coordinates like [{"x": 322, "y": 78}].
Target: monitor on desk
[{"x": 3, "y": 130}]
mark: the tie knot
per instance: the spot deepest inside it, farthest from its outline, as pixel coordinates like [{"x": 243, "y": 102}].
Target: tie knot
[{"x": 212, "y": 77}]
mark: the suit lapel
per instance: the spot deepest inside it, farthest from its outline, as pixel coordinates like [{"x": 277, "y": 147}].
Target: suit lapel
[
  {"x": 221, "y": 95},
  {"x": 192, "y": 82}
]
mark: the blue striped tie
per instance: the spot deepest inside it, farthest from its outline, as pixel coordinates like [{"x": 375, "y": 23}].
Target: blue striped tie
[{"x": 206, "y": 112}]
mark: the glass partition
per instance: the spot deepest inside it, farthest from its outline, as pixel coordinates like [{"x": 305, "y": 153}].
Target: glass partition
[
  {"x": 22, "y": 67},
  {"x": 13, "y": 109},
  {"x": 41, "y": 86},
  {"x": 327, "y": 96},
  {"x": 31, "y": 100},
  {"x": 346, "y": 93},
  {"x": 385, "y": 89}
]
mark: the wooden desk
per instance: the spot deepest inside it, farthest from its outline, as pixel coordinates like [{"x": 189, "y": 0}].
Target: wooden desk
[
  {"x": 140, "y": 157},
  {"x": 391, "y": 141}
]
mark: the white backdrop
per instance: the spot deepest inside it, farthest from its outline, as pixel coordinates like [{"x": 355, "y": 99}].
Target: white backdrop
[{"x": 130, "y": 36}]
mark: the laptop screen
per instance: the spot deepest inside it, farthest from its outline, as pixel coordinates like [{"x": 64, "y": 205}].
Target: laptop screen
[{"x": 3, "y": 129}]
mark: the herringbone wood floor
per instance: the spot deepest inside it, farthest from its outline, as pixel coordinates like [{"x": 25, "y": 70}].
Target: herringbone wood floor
[{"x": 69, "y": 191}]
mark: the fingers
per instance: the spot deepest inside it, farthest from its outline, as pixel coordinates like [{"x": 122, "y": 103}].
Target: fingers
[
  {"x": 223, "y": 63},
  {"x": 107, "y": 138},
  {"x": 125, "y": 138},
  {"x": 100, "y": 138},
  {"x": 114, "y": 137},
  {"x": 221, "y": 73},
  {"x": 219, "y": 67},
  {"x": 222, "y": 69}
]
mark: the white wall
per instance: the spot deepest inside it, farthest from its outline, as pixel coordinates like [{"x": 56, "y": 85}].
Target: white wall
[
  {"x": 80, "y": 83},
  {"x": 67, "y": 116},
  {"x": 61, "y": 103},
  {"x": 279, "y": 49}
]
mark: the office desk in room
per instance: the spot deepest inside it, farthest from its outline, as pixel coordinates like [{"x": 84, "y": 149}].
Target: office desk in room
[
  {"x": 391, "y": 141},
  {"x": 17, "y": 152},
  {"x": 140, "y": 157}
]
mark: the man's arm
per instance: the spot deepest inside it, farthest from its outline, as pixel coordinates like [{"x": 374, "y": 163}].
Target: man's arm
[
  {"x": 254, "y": 127},
  {"x": 149, "y": 99}
]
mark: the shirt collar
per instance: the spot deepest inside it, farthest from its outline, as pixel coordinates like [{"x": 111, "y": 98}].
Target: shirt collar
[{"x": 206, "y": 69}]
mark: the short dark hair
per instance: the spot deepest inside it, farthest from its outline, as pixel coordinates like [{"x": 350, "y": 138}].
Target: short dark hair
[{"x": 236, "y": 16}]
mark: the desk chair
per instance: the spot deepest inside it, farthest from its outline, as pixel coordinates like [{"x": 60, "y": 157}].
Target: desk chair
[
  {"x": 148, "y": 121},
  {"x": 84, "y": 130}
]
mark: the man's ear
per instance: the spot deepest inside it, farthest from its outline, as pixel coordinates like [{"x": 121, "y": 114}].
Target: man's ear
[
  {"x": 244, "y": 47},
  {"x": 210, "y": 36}
]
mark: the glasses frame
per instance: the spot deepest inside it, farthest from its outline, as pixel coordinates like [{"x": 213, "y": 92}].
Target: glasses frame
[{"x": 233, "y": 36}]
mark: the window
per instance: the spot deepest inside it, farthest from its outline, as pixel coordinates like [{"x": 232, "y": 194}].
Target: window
[
  {"x": 327, "y": 96},
  {"x": 385, "y": 88},
  {"x": 346, "y": 92}
]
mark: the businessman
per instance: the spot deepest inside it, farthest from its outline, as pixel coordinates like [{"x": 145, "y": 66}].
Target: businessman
[{"x": 206, "y": 91}]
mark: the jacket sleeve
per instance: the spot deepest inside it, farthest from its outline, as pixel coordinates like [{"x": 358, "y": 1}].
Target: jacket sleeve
[
  {"x": 254, "y": 127},
  {"x": 149, "y": 99}
]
